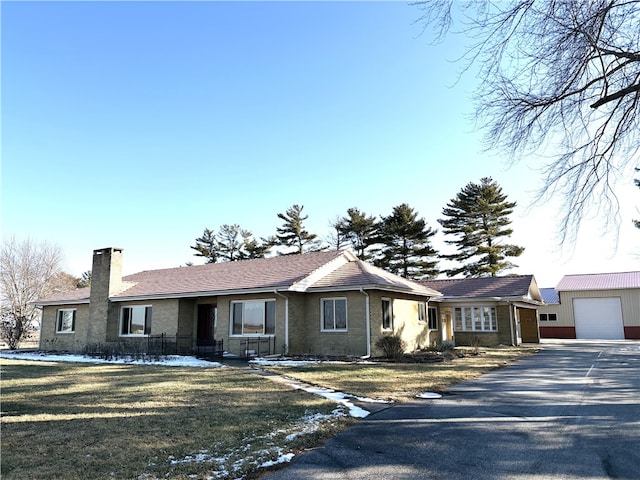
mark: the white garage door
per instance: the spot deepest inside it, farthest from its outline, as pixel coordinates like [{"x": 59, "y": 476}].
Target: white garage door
[{"x": 598, "y": 318}]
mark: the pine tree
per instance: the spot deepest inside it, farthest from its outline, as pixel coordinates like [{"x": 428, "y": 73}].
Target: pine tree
[
  {"x": 230, "y": 244},
  {"x": 293, "y": 234},
  {"x": 479, "y": 217},
  {"x": 206, "y": 246},
  {"x": 407, "y": 250},
  {"x": 360, "y": 230}
]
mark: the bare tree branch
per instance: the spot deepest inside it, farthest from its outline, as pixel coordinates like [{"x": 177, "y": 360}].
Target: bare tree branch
[{"x": 560, "y": 78}]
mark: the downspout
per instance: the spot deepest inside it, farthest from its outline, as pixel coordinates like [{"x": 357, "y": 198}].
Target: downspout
[
  {"x": 513, "y": 342},
  {"x": 367, "y": 322},
  {"x": 286, "y": 321}
]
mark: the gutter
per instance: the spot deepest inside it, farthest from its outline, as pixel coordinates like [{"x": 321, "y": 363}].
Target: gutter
[
  {"x": 367, "y": 319},
  {"x": 513, "y": 342},
  {"x": 286, "y": 321}
]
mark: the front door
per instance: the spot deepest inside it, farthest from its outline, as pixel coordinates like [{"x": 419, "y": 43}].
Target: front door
[
  {"x": 206, "y": 323},
  {"x": 529, "y": 325}
]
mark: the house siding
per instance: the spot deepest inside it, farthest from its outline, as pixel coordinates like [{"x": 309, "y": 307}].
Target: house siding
[
  {"x": 564, "y": 327},
  {"x": 73, "y": 342},
  {"x": 351, "y": 342},
  {"x": 236, "y": 344},
  {"x": 164, "y": 318},
  {"x": 415, "y": 334}
]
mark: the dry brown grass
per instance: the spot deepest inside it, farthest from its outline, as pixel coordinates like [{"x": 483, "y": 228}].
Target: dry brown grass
[
  {"x": 402, "y": 381},
  {"x": 78, "y": 421}
]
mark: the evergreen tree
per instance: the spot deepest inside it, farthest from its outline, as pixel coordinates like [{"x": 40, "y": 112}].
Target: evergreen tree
[
  {"x": 479, "y": 217},
  {"x": 231, "y": 243},
  {"x": 336, "y": 238},
  {"x": 206, "y": 246},
  {"x": 85, "y": 280},
  {"x": 361, "y": 231},
  {"x": 406, "y": 249},
  {"x": 293, "y": 234}
]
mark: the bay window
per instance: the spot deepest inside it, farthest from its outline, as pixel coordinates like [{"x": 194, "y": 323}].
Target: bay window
[{"x": 475, "y": 319}]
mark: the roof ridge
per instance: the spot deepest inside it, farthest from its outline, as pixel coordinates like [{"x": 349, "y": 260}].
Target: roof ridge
[{"x": 336, "y": 262}]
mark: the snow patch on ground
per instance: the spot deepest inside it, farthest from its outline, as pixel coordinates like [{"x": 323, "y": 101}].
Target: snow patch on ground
[
  {"x": 338, "y": 397},
  {"x": 429, "y": 395},
  {"x": 273, "y": 454},
  {"x": 167, "y": 360}
]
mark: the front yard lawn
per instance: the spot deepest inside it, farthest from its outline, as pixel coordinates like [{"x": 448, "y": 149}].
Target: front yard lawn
[
  {"x": 401, "y": 381},
  {"x": 77, "y": 421}
]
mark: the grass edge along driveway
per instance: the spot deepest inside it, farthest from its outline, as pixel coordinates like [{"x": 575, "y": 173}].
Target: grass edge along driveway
[{"x": 77, "y": 421}]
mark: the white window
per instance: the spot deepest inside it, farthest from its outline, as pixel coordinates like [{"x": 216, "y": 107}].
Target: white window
[
  {"x": 135, "y": 320},
  {"x": 253, "y": 317},
  {"x": 475, "y": 319},
  {"x": 66, "y": 320},
  {"x": 422, "y": 312},
  {"x": 333, "y": 315},
  {"x": 548, "y": 317},
  {"x": 433, "y": 318},
  {"x": 387, "y": 314}
]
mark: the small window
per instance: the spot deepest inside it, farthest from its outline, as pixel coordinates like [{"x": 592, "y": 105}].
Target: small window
[
  {"x": 253, "y": 317},
  {"x": 552, "y": 317},
  {"x": 135, "y": 321},
  {"x": 66, "y": 320},
  {"x": 387, "y": 314},
  {"x": 422, "y": 312},
  {"x": 543, "y": 317},
  {"x": 333, "y": 314},
  {"x": 433, "y": 318}
]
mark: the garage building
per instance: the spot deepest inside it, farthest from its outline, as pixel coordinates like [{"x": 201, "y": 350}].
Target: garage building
[{"x": 603, "y": 306}]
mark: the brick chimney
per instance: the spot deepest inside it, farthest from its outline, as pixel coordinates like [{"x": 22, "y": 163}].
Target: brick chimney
[{"x": 106, "y": 279}]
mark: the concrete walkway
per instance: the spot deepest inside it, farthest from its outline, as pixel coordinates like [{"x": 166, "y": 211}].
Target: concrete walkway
[{"x": 571, "y": 411}]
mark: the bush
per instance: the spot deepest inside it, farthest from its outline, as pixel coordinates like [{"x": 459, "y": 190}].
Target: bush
[{"x": 392, "y": 346}]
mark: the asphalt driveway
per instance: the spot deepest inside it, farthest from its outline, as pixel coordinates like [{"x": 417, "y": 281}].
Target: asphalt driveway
[{"x": 571, "y": 411}]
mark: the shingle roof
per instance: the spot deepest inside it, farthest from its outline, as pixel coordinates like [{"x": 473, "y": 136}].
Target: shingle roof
[
  {"x": 359, "y": 273},
  {"x": 274, "y": 272},
  {"x": 550, "y": 295},
  {"x": 483, "y": 287},
  {"x": 319, "y": 270},
  {"x": 599, "y": 281}
]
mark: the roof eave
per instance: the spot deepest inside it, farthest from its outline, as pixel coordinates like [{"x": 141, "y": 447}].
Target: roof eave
[
  {"x": 53, "y": 303},
  {"x": 210, "y": 293},
  {"x": 385, "y": 288}
]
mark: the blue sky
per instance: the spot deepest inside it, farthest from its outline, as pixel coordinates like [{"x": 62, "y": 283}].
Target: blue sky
[{"x": 138, "y": 124}]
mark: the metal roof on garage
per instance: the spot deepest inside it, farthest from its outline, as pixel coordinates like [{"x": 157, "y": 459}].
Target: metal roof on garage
[{"x": 600, "y": 281}]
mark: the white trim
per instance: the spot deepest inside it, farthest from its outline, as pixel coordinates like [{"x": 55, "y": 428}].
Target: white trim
[
  {"x": 346, "y": 316},
  {"x": 264, "y": 326},
  {"x": 367, "y": 320},
  {"x": 318, "y": 274},
  {"x": 134, "y": 335},
  {"x": 73, "y": 320},
  {"x": 390, "y": 300},
  {"x": 286, "y": 320}
]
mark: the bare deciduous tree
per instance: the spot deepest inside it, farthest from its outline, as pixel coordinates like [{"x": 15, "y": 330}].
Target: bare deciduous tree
[
  {"x": 560, "y": 77},
  {"x": 28, "y": 271}
]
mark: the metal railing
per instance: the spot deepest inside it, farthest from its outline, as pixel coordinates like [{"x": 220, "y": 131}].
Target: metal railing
[
  {"x": 257, "y": 346},
  {"x": 161, "y": 344}
]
